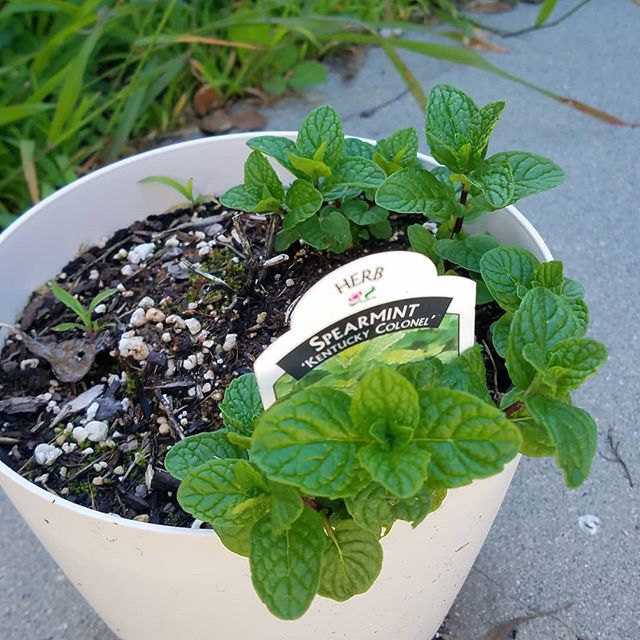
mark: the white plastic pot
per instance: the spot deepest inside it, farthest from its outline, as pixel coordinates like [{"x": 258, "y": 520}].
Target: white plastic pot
[{"x": 150, "y": 581}]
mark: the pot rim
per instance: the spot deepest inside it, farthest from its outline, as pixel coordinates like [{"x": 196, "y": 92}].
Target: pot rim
[{"x": 80, "y": 183}]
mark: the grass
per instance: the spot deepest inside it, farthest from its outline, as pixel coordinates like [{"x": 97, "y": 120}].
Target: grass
[{"x": 83, "y": 82}]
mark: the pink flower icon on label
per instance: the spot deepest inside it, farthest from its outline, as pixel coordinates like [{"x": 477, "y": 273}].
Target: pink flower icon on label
[{"x": 355, "y": 297}]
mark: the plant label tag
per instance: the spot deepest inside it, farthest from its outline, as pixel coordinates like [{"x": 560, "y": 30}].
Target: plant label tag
[{"x": 385, "y": 308}]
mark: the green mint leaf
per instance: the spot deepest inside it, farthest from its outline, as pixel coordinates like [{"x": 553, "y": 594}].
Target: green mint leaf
[
  {"x": 337, "y": 231},
  {"x": 548, "y": 275},
  {"x": 198, "y": 449},
  {"x": 496, "y": 183},
  {"x": 481, "y": 127},
  {"x": 258, "y": 172},
  {"x": 483, "y": 295},
  {"x": 500, "y": 334},
  {"x": 309, "y": 168},
  {"x": 531, "y": 173},
  {"x": 580, "y": 313},
  {"x": 286, "y": 565},
  {"x": 424, "y": 374},
  {"x": 571, "y": 362},
  {"x": 302, "y": 201},
  {"x": 572, "y": 290},
  {"x": 352, "y": 562},
  {"x": 399, "y": 468},
  {"x": 312, "y": 233},
  {"x": 400, "y": 148},
  {"x": 384, "y": 394},
  {"x": 306, "y": 74},
  {"x": 505, "y": 270},
  {"x": 359, "y": 213},
  {"x": 355, "y": 172},
  {"x": 386, "y": 165},
  {"x": 536, "y": 441},
  {"x": 371, "y": 508},
  {"x": 242, "y": 198},
  {"x": 236, "y": 539},
  {"x": 277, "y": 147},
  {"x": 424, "y": 242},
  {"x": 467, "y": 373},
  {"x": 467, "y": 438},
  {"x": 224, "y": 493},
  {"x": 286, "y": 506},
  {"x": 285, "y": 238},
  {"x": 381, "y": 230},
  {"x": 357, "y": 147},
  {"x": 321, "y": 126},
  {"x": 573, "y": 432},
  {"x": 241, "y": 404},
  {"x": 308, "y": 440},
  {"x": 448, "y": 116},
  {"x": 544, "y": 320},
  {"x": 466, "y": 252},
  {"x": 416, "y": 190},
  {"x": 416, "y": 508}
]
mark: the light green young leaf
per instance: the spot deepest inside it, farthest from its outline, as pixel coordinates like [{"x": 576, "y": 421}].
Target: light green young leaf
[
  {"x": 224, "y": 493},
  {"x": 259, "y": 173},
  {"x": 371, "y": 508},
  {"x": 500, "y": 334},
  {"x": 241, "y": 404},
  {"x": 321, "y": 126},
  {"x": 278, "y": 148},
  {"x": 536, "y": 441},
  {"x": 198, "y": 449},
  {"x": 286, "y": 506},
  {"x": 505, "y": 270},
  {"x": 467, "y": 373},
  {"x": 401, "y": 147},
  {"x": 481, "y": 127},
  {"x": 357, "y": 147},
  {"x": 401, "y": 468},
  {"x": 572, "y": 361},
  {"x": 548, "y": 275},
  {"x": 531, "y": 173},
  {"x": 67, "y": 326},
  {"x": 467, "y": 438},
  {"x": 308, "y": 440},
  {"x": 384, "y": 394},
  {"x": 310, "y": 168},
  {"x": 286, "y": 565},
  {"x": 352, "y": 562},
  {"x": 544, "y": 320},
  {"x": 424, "y": 242},
  {"x": 99, "y": 298},
  {"x": 573, "y": 432},
  {"x": 465, "y": 252},
  {"x": 303, "y": 200},
  {"x": 359, "y": 213},
  {"x": 242, "y": 198},
  {"x": 416, "y": 190},
  {"x": 496, "y": 183},
  {"x": 70, "y": 302},
  {"x": 186, "y": 191}
]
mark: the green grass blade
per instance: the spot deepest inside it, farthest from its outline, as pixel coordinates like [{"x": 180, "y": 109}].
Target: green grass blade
[
  {"x": 171, "y": 183},
  {"x": 18, "y": 112},
  {"x": 99, "y": 298},
  {"x": 69, "y": 301},
  {"x": 545, "y": 11}
]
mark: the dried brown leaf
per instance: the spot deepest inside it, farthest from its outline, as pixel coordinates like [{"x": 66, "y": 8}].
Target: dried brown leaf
[
  {"x": 217, "y": 122},
  {"x": 70, "y": 360},
  {"x": 248, "y": 120},
  {"x": 206, "y": 99}
]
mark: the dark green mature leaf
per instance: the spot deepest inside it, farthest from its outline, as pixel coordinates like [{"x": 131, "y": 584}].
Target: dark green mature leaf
[
  {"x": 352, "y": 562},
  {"x": 424, "y": 242},
  {"x": 241, "y": 404},
  {"x": 336, "y": 230},
  {"x": 356, "y": 172},
  {"x": 401, "y": 147},
  {"x": 423, "y": 374},
  {"x": 308, "y": 440},
  {"x": 321, "y": 133},
  {"x": 580, "y": 313},
  {"x": 416, "y": 508},
  {"x": 466, "y": 252},
  {"x": 286, "y": 565},
  {"x": 507, "y": 272},
  {"x": 224, "y": 493},
  {"x": 359, "y": 213},
  {"x": 285, "y": 238},
  {"x": 258, "y": 172},
  {"x": 467, "y": 438},
  {"x": 467, "y": 373},
  {"x": 242, "y": 198},
  {"x": 357, "y": 147},
  {"x": 544, "y": 320},
  {"x": 286, "y": 506},
  {"x": 573, "y": 432},
  {"x": 384, "y": 394},
  {"x": 381, "y": 230},
  {"x": 302, "y": 201},
  {"x": 572, "y": 290},
  {"x": 236, "y": 539},
  {"x": 399, "y": 468},
  {"x": 277, "y": 147},
  {"x": 371, "y": 508},
  {"x": 548, "y": 275},
  {"x": 416, "y": 190},
  {"x": 310, "y": 168},
  {"x": 500, "y": 334},
  {"x": 312, "y": 233},
  {"x": 496, "y": 183},
  {"x": 531, "y": 173},
  {"x": 572, "y": 361},
  {"x": 198, "y": 449},
  {"x": 447, "y": 118}
]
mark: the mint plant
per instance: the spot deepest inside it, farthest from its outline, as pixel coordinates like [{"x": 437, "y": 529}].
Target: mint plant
[
  {"x": 85, "y": 314},
  {"x": 307, "y": 488}
]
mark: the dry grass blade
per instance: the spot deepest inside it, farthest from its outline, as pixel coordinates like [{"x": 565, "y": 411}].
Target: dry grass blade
[
  {"x": 190, "y": 39},
  {"x": 29, "y": 169},
  {"x": 504, "y": 630},
  {"x": 407, "y": 75}
]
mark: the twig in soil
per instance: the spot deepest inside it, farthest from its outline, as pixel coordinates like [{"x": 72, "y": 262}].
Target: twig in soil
[
  {"x": 195, "y": 224},
  {"x": 167, "y": 405},
  {"x": 504, "y": 630},
  {"x": 78, "y": 473},
  {"x": 616, "y": 457},
  {"x": 187, "y": 264}
]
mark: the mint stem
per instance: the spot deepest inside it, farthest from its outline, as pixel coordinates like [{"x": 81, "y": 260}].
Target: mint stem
[
  {"x": 457, "y": 227},
  {"x": 513, "y": 408}
]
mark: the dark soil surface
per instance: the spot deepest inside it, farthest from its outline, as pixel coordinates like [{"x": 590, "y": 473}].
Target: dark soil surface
[{"x": 192, "y": 311}]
